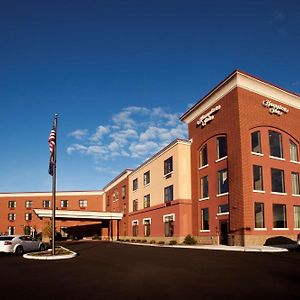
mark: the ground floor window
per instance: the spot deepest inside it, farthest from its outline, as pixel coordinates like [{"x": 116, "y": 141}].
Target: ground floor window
[
  {"x": 11, "y": 230},
  {"x": 135, "y": 228},
  {"x": 297, "y": 216},
  {"x": 204, "y": 219},
  {"x": 279, "y": 216},
  {"x": 169, "y": 225},
  {"x": 147, "y": 223},
  {"x": 259, "y": 215}
]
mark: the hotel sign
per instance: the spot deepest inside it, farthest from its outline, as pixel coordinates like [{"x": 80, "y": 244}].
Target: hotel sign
[
  {"x": 275, "y": 108},
  {"x": 208, "y": 117}
]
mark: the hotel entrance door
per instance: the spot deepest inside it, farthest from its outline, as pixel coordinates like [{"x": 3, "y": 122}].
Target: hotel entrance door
[{"x": 224, "y": 232}]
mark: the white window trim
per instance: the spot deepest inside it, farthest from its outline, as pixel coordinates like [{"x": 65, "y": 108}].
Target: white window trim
[
  {"x": 257, "y": 153},
  {"x": 145, "y": 185},
  {"x": 203, "y": 199},
  {"x": 276, "y": 193},
  {"x": 297, "y": 228},
  {"x": 223, "y": 214},
  {"x": 169, "y": 215},
  {"x": 204, "y": 230},
  {"x": 224, "y": 194},
  {"x": 259, "y": 191},
  {"x": 165, "y": 175},
  {"x": 277, "y": 158},
  {"x": 296, "y": 195},
  {"x": 295, "y": 162},
  {"x": 146, "y": 219},
  {"x": 260, "y": 229},
  {"x": 222, "y": 158},
  {"x": 203, "y": 167},
  {"x": 280, "y": 229},
  {"x": 135, "y": 222}
]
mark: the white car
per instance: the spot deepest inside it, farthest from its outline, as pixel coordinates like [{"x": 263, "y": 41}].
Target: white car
[
  {"x": 298, "y": 239},
  {"x": 18, "y": 244}
]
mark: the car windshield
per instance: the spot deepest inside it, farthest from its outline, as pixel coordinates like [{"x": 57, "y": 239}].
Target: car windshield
[{"x": 6, "y": 238}]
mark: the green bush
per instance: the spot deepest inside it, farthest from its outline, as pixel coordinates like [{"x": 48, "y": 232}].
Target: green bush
[
  {"x": 161, "y": 242},
  {"x": 173, "y": 242},
  {"x": 152, "y": 242},
  {"x": 189, "y": 240},
  {"x": 127, "y": 240},
  {"x": 138, "y": 241},
  {"x": 144, "y": 241},
  {"x": 96, "y": 237},
  {"x": 132, "y": 240}
]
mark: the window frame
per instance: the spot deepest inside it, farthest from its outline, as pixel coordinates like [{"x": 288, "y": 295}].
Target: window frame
[
  {"x": 284, "y": 219},
  {"x": 203, "y": 156},
  {"x": 259, "y": 224},
  {"x": 166, "y": 193},
  {"x": 146, "y": 178},
  {"x": 274, "y": 181},
  {"x": 259, "y": 145},
  {"x": 168, "y": 165},
  {"x": 204, "y": 189},
  {"x": 147, "y": 199},
  {"x": 204, "y": 220},
  {"x": 274, "y": 147},
  {"x": 260, "y": 180},
  {"x": 294, "y": 146},
  {"x": 220, "y": 192},
  {"x": 219, "y": 152}
]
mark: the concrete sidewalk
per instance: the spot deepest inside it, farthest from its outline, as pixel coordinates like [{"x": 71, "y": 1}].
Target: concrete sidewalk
[{"x": 275, "y": 248}]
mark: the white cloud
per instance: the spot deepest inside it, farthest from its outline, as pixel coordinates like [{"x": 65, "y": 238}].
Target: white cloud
[
  {"x": 142, "y": 149},
  {"x": 100, "y": 132},
  {"x": 79, "y": 133}
]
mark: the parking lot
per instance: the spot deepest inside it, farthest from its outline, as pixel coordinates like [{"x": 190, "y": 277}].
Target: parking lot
[{"x": 106, "y": 270}]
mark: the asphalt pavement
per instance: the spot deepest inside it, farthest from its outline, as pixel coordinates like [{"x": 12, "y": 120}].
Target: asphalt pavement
[{"x": 105, "y": 270}]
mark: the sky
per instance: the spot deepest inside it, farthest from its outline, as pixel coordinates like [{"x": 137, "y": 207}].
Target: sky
[{"x": 119, "y": 74}]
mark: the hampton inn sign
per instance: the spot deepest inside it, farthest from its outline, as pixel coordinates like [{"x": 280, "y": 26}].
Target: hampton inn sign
[
  {"x": 275, "y": 108},
  {"x": 208, "y": 117}
]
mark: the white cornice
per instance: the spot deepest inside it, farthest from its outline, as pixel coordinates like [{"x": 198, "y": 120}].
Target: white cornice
[
  {"x": 245, "y": 81},
  {"x": 48, "y": 194}
]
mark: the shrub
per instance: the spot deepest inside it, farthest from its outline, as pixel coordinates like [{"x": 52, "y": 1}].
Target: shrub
[
  {"x": 152, "y": 242},
  {"x": 133, "y": 240},
  {"x": 95, "y": 237},
  {"x": 144, "y": 241},
  {"x": 189, "y": 240},
  {"x": 161, "y": 242},
  {"x": 138, "y": 241},
  {"x": 127, "y": 240},
  {"x": 173, "y": 242}
]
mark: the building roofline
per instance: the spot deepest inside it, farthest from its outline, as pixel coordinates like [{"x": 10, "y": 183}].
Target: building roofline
[
  {"x": 9, "y": 194},
  {"x": 223, "y": 82},
  {"x": 126, "y": 171}
]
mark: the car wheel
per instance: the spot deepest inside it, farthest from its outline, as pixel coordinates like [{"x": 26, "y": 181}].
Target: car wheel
[
  {"x": 19, "y": 251},
  {"x": 42, "y": 247}
]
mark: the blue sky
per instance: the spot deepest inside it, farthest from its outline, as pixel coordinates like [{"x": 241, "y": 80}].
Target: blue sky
[{"x": 119, "y": 74}]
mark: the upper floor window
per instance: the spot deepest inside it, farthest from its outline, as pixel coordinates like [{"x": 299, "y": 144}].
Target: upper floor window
[
  {"x": 12, "y": 204},
  {"x": 28, "y": 217},
  {"x": 28, "y": 204},
  {"x": 223, "y": 209},
  {"x": 107, "y": 200},
  {"x": 116, "y": 194},
  {"x": 204, "y": 187},
  {"x": 135, "y": 205},
  {"x": 83, "y": 203},
  {"x": 123, "y": 191},
  {"x": 293, "y": 151},
  {"x": 203, "y": 156},
  {"x": 258, "y": 178},
  {"x": 295, "y": 183},
  {"x": 168, "y": 165},
  {"x": 147, "y": 201},
  {"x": 46, "y": 203},
  {"x": 147, "y": 178},
  {"x": 277, "y": 177},
  {"x": 256, "y": 142},
  {"x": 275, "y": 141},
  {"x": 221, "y": 146},
  {"x": 11, "y": 217},
  {"x": 222, "y": 182},
  {"x": 135, "y": 184},
  {"x": 168, "y": 193},
  {"x": 64, "y": 203}
]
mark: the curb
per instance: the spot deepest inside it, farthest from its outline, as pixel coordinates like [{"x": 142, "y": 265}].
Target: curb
[{"x": 51, "y": 257}]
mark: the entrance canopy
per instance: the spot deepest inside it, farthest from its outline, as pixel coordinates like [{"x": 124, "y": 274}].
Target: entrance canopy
[{"x": 77, "y": 214}]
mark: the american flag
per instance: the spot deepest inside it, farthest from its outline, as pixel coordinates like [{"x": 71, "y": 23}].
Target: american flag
[{"x": 52, "y": 141}]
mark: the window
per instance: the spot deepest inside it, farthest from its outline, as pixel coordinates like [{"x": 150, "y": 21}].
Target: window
[
  {"x": 295, "y": 184},
  {"x": 83, "y": 203},
  {"x": 297, "y": 216},
  {"x": 256, "y": 142},
  {"x": 168, "y": 165},
  {"x": 147, "y": 178},
  {"x": 204, "y": 187},
  {"x": 11, "y": 217},
  {"x": 12, "y": 204},
  {"x": 135, "y": 184},
  {"x": 28, "y": 204},
  {"x": 123, "y": 191},
  {"x": 147, "y": 223},
  {"x": 64, "y": 203},
  {"x": 293, "y": 151},
  {"x": 259, "y": 215},
  {"x": 221, "y": 147},
  {"x": 223, "y": 209},
  {"x": 116, "y": 194},
  {"x": 28, "y": 217},
  {"x": 169, "y": 225},
  {"x": 275, "y": 141},
  {"x": 279, "y": 216},
  {"x": 257, "y": 178},
  {"x": 203, "y": 156},
  {"x": 134, "y": 205},
  {"x": 147, "y": 201},
  {"x": 169, "y": 193},
  {"x": 204, "y": 219},
  {"x": 135, "y": 228},
  {"x": 107, "y": 200},
  {"x": 222, "y": 182},
  {"x": 11, "y": 230},
  {"x": 46, "y": 203},
  {"x": 277, "y": 181}
]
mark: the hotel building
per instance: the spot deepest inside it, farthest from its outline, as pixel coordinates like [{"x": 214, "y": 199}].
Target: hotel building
[{"x": 235, "y": 181}]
